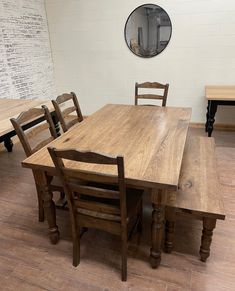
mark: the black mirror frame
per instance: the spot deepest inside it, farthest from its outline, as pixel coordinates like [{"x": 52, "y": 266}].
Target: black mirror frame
[{"x": 126, "y": 26}]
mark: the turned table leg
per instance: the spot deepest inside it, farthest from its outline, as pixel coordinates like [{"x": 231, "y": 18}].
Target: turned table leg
[
  {"x": 157, "y": 227},
  {"x": 207, "y": 232},
  {"x": 40, "y": 204},
  {"x": 42, "y": 181},
  {"x": 169, "y": 229}
]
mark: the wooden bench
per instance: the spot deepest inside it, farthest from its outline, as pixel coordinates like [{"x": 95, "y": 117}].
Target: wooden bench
[{"x": 198, "y": 194}]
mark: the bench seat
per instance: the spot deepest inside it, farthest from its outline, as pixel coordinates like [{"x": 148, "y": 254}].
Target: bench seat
[{"x": 198, "y": 194}]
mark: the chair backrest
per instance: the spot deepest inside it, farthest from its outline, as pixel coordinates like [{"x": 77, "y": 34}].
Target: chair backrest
[
  {"x": 64, "y": 115},
  {"x": 153, "y": 85},
  {"x": 81, "y": 186},
  {"x": 31, "y": 132}
]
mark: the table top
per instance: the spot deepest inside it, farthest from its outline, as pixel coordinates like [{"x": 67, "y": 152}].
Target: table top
[
  {"x": 10, "y": 108},
  {"x": 225, "y": 93},
  {"x": 150, "y": 138}
]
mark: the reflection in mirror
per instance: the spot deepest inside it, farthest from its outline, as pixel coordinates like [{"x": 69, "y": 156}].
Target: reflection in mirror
[{"x": 148, "y": 30}]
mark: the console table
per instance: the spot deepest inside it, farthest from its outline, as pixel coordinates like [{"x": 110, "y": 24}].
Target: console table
[{"x": 217, "y": 95}]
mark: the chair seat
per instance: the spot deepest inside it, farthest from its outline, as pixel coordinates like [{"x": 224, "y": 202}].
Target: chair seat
[
  {"x": 133, "y": 197},
  {"x": 56, "y": 184},
  {"x": 133, "y": 200}
]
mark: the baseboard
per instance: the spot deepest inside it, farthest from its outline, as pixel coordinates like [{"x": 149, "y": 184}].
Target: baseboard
[{"x": 218, "y": 126}]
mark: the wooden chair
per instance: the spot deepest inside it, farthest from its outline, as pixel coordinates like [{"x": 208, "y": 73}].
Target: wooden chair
[
  {"x": 66, "y": 119},
  {"x": 32, "y": 138},
  {"x": 95, "y": 205},
  {"x": 149, "y": 85}
]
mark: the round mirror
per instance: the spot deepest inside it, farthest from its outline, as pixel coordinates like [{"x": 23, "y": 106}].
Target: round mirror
[{"x": 148, "y": 30}]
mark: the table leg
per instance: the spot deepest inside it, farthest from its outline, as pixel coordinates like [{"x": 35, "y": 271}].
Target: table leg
[
  {"x": 207, "y": 117},
  {"x": 42, "y": 181},
  {"x": 169, "y": 228},
  {"x": 157, "y": 226},
  {"x": 8, "y": 144},
  {"x": 211, "y": 116}
]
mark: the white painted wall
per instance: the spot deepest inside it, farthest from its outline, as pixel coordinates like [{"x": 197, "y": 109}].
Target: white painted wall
[
  {"x": 26, "y": 68},
  {"x": 91, "y": 57}
]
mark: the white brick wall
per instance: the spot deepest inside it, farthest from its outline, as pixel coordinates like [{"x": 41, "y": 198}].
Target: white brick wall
[{"x": 26, "y": 68}]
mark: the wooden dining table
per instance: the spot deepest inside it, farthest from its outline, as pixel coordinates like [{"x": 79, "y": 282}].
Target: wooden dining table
[
  {"x": 150, "y": 138},
  {"x": 10, "y": 108}
]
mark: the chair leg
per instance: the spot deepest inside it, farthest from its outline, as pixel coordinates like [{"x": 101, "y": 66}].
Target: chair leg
[
  {"x": 169, "y": 229},
  {"x": 40, "y": 206},
  {"x": 76, "y": 247},
  {"x": 124, "y": 254},
  {"x": 206, "y": 239}
]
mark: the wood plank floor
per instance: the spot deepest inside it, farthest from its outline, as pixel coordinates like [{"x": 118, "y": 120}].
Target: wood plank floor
[{"x": 29, "y": 262}]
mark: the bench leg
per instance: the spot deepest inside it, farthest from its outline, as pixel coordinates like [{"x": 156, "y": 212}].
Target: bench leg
[
  {"x": 207, "y": 232},
  {"x": 169, "y": 229}
]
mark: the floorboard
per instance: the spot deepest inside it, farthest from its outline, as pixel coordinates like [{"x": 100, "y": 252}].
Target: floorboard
[{"x": 29, "y": 262}]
